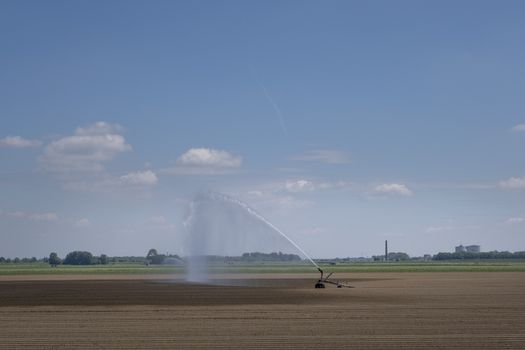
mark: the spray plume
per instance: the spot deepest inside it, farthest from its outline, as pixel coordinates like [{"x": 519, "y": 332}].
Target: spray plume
[
  {"x": 263, "y": 219},
  {"x": 222, "y": 225}
]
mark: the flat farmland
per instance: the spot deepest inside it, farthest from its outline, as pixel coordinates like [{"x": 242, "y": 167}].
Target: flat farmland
[{"x": 453, "y": 310}]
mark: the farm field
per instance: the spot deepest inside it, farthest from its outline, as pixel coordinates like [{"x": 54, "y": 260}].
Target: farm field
[
  {"x": 453, "y": 310},
  {"x": 266, "y": 267}
]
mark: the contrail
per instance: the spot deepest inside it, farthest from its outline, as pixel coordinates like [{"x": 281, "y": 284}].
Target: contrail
[
  {"x": 275, "y": 108},
  {"x": 270, "y": 100}
]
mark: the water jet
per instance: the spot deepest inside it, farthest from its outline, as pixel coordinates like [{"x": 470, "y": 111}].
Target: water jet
[{"x": 212, "y": 210}]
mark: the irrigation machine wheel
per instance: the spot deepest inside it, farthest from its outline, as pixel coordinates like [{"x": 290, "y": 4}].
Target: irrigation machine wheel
[{"x": 319, "y": 285}]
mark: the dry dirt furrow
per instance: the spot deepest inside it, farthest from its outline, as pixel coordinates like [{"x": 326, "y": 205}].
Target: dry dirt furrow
[{"x": 384, "y": 311}]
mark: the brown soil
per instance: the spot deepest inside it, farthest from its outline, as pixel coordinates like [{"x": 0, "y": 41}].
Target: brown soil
[{"x": 384, "y": 311}]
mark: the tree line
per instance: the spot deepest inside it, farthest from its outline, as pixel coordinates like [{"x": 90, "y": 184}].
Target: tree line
[
  {"x": 253, "y": 257},
  {"x": 152, "y": 258},
  {"x": 392, "y": 256},
  {"x": 257, "y": 256},
  {"x": 78, "y": 257},
  {"x": 18, "y": 260},
  {"x": 483, "y": 255},
  {"x": 86, "y": 258}
]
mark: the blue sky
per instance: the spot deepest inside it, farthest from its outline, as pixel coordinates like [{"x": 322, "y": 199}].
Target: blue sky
[{"x": 344, "y": 122}]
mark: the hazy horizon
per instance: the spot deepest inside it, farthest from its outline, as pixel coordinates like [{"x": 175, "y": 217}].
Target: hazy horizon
[{"x": 344, "y": 123}]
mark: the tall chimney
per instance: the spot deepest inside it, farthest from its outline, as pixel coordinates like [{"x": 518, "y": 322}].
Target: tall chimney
[{"x": 386, "y": 250}]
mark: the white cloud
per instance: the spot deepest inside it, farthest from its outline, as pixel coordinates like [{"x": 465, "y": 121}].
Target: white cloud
[
  {"x": 209, "y": 157},
  {"x": 286, "y": 188},
  {"x": 140, "y": 178},
  {"x": 270, "y": 200},
  {"x": 99, "y": 128},
  {"x": 511, "y": 221},
  {"x": 44, "y": 217},
  {"x": 295, "y": 186},
  {"x": 514, "y": 183},
  {"x": 82, "y": 222},
  {"x": 205, "y": 161},
  {"x": 194, "y": 170},
  {"x": 32, "y": 216},
  {"x": 303, "y": 185},
  {"x": 299, "y": 186},
  {"x": 324, "y": 156},
  {"x": 86, "y": 150},
  {"x": 286, "y": 203},
  {"x": 19, "y": 142},
  {"x": 518, "y": 128},
  {"x": 133, "y": 182},
  {"x": 393, "y": 189}
]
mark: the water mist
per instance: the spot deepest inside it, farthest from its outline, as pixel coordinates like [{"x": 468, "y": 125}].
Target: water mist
[{"x": 220, "y": 225}]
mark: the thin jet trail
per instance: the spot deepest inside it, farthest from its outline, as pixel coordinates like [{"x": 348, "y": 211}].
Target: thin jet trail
[{"x": 275, "y": 108}]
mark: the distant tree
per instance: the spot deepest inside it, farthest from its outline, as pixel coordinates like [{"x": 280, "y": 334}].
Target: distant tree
[
  {"x": 482, "y": 255},
  {"x": 54, "y": 260},
  {"x": 2, "y": 259},
  {"x": 104, "y": 259},
  {"x": 16, "y": 260},
  {"x": 258, "y": 256},
  {"x": 78, "y": 258},
  {"x": 33, "y": 260},
  {"x": 151, "y": 252},
  {"x": 154, "y": 258}
]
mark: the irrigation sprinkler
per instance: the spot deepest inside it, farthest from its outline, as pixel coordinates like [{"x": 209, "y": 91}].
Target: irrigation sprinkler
[
  {"x": 321, "y": 282},
  {"x": 216, "y": 196}
]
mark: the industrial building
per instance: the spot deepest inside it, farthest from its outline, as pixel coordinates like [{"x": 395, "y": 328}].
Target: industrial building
[
  {"x": 473, "y": 248},
  {"x": 460, "y": 249}
]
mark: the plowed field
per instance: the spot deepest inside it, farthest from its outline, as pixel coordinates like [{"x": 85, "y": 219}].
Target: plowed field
[{"x": 384, "y": 311}]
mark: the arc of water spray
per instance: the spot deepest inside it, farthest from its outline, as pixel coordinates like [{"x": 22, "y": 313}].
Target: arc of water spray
[{"x": 263, "y": 219}]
